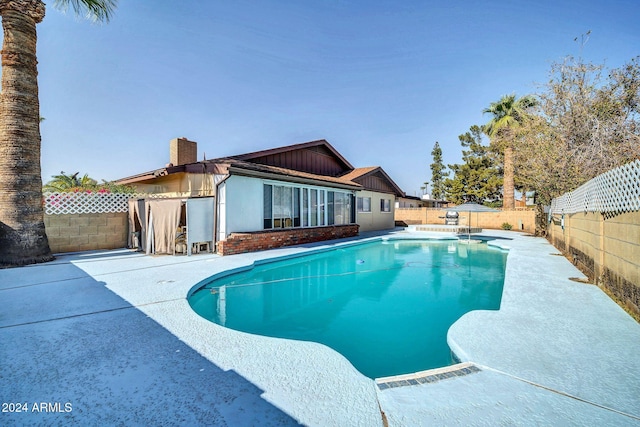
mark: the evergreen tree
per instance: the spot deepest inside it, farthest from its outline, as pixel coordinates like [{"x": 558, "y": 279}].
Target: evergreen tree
[
  {"x": 479, "y": 178},
  {"x": 437, "y": 173}
]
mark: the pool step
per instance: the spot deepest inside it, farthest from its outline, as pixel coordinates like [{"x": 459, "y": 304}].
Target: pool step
[
  {"x": 447, "y": 228},
  {"x": 429, "y": 376}
]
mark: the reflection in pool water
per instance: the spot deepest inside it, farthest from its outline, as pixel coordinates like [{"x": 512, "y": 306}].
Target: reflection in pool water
[{"x": 386, "y": 306}]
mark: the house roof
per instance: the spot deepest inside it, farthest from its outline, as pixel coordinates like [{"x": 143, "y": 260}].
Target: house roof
[
  {"x": 317, "y": 157},
  {"x": 310, "y": 162},
  {"x": 374, "y": 178},
  {"x": 227, "y": 165},
  {"x": 412, "y": 197},
  {"x": 241, "y": 167},
  {"x": 144, "y": 176},
  {"x": 320, "y": 143}
]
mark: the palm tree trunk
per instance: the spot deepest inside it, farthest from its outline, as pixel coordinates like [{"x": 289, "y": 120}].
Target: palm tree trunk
[
  {"x": 22, "y": 233},
  {"x": 508, "y": 185}
]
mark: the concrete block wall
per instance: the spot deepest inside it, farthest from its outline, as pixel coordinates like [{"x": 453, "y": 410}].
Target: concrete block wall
[
  {"x": 237, "y": 243},
  {"x": 526, "y": 218},
  {"x": 411, "y": 215},
  {"x": 606, "y": 249},
  {"x": 82, "y": 232}
]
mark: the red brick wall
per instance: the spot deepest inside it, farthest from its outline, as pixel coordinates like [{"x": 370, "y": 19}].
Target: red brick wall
[{"x": 238, "y": 243}]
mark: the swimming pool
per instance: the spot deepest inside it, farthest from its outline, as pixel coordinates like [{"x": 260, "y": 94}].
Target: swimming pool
[{"x": 384, "y": 305}]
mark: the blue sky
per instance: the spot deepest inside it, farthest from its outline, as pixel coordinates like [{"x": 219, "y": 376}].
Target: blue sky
[{"x": 382, "y": 81}]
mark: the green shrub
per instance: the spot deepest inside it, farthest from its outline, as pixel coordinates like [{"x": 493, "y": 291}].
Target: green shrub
[
  {"x": 64, "y": 183},
  {"x": 506, "y": 226}
]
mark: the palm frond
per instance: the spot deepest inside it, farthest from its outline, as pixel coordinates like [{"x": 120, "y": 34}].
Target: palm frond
[
  {"x": 508, "y": 112},
  {"x": 94, "y": 10}
]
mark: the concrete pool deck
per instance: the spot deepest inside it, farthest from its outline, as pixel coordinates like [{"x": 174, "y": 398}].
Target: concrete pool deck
[{"x": 103, "y": 338}]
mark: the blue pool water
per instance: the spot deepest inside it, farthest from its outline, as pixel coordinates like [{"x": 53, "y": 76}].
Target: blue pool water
[{"x": 386, "y": 305}]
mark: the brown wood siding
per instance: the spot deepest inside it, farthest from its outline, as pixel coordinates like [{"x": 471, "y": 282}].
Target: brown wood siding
[
  {"x": 375, "y": 183},
  {"x": 316, "y": 160}
]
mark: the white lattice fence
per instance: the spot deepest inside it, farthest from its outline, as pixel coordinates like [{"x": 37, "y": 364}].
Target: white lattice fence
[
  {"x": 81, "y": 203},
  {"x": 615, "y": 191}
]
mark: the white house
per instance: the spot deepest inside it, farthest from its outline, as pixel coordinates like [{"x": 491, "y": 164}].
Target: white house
[{"x": 304, "y": 192}]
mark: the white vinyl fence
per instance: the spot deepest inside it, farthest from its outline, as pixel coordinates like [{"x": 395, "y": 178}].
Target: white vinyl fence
[
  {"x": 94, "y": 202},
  {"x": 615, "y": 191}
]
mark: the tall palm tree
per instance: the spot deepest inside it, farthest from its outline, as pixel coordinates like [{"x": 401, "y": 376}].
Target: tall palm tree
[
  {"x": 23, "y": 239},
  {"x": 508, "y": 115}
]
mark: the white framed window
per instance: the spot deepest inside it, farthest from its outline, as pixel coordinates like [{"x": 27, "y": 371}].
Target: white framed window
[
  {"x": 363, "y": 204},
  {"x": 385, "y": 205},
  {"x": 287, "y": 206},
  {"x": 339, "y": 208},
  {"x": 314, "y": 208},
  {"x": 305, "y": 207}
]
